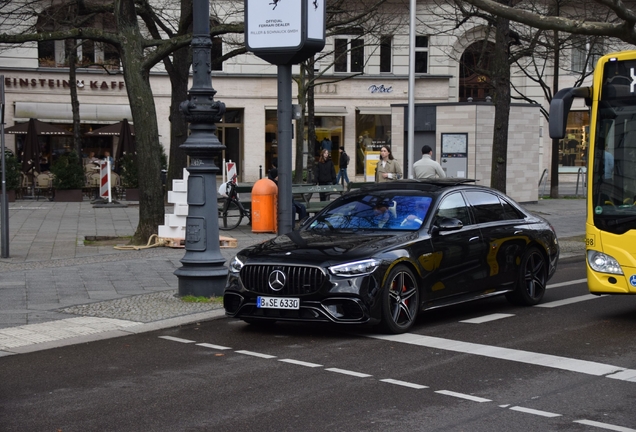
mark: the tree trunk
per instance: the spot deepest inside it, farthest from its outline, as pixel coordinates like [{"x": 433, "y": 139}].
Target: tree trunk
[
  {"x": 501, "y": 83},
  {"x": 179, "y": 74},
  {"x": 75, "y": 105},
  {"x": 142, "y": 105}
]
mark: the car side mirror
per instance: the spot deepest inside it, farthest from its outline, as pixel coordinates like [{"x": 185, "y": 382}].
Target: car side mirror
[{"x": 447, "y": 224}]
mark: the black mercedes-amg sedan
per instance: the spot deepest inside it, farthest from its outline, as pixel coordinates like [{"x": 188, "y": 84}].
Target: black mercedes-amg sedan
[{"x": 382, "y": 254}]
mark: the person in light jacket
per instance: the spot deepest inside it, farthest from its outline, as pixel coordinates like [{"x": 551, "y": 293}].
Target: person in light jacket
[{"x": 388, "y": 168}]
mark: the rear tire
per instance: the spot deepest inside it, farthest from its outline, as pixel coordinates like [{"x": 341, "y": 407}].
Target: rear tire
[
  {"x": 230, "y": 216},
  {"x": 531, "y": 281},
  {"x": 400, "y": 301}
]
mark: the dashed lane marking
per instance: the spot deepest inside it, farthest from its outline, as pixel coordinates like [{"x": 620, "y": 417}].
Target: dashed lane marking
[
  {"x": 567, "y": 301},
  {"x": 535, "y": 412},
  {"x": 348, "y": 372},
  {"x": 300, "y": 363},
  {"x": 463, "y": 396},
  {"x": 255, "y": 354},
  {"x": 212, "y": 346},
  {"x": 487, "y": 318},
  {"x": 404, "y": 383}
]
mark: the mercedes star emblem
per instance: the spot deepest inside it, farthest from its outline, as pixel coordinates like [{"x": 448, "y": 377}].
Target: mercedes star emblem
[{"x": 277, "y": 280}]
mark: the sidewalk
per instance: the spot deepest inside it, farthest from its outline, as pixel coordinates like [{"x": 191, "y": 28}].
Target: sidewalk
[{"x": 56, "y": 289}]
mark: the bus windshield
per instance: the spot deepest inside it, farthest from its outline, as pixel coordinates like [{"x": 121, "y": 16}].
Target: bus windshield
[{"x": 614, "y": 168}]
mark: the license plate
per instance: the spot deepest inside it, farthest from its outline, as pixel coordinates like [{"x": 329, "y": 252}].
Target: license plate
[{"x": 277, "y": 303}]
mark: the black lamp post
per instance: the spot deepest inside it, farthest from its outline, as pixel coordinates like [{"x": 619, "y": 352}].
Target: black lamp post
[{"x": 203, "y": 272}]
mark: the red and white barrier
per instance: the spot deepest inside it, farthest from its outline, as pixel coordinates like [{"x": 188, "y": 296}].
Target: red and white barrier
[{"x": 104, "y": 184}]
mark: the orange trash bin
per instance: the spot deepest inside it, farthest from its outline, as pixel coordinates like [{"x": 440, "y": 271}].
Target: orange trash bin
[{"x": 264, "y": 206}]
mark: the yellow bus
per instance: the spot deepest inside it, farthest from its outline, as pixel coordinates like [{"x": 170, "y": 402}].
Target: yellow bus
[{"x": 610, "y": 227}]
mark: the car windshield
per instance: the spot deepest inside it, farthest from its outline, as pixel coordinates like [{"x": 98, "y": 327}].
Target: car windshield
[{"x": 394, "y": 212}]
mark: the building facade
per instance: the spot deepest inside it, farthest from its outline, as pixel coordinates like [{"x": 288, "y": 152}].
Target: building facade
[{"x": 453, "y": 110}]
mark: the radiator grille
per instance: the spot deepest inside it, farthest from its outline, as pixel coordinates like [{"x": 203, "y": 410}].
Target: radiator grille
[{"x": 299, "y": 279}]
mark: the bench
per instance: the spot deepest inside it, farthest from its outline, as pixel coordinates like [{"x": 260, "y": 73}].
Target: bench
[
  {"x": 306, "y": 192},
  {"x": 303, "y": 191}
]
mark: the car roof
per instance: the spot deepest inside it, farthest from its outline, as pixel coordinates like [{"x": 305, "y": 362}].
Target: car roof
[{"x": 427, "y": 185}]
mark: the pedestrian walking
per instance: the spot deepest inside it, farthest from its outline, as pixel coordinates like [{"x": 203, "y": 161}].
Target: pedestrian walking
[
  {"x": 388, "y": 168},
  {"x": 344, "y": 163},
  {"x": 427, "y": 167}
]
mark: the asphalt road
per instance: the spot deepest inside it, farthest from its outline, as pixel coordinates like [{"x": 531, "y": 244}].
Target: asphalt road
[{"x": 485, "y": 366}]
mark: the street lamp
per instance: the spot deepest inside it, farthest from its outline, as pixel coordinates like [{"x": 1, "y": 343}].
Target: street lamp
[{"x": 203, "y": 272}]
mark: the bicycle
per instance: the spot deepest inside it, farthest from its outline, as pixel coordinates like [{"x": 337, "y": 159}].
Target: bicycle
[{"x": 231, "y": 211}]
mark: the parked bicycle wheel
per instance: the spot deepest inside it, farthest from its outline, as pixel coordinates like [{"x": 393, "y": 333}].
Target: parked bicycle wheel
[{"x": 230, "y": 216}]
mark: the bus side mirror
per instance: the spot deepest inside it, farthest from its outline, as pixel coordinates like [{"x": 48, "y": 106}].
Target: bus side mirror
[{"x": 560, "y": 108}]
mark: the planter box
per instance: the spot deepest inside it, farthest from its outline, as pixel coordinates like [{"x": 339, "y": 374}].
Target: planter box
[
  {"x": 69, "y": 195},
  {"x": 132, "y": 194}
]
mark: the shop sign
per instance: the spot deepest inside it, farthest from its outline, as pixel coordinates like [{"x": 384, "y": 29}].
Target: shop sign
[
  {"x": 380, "y": 89},
  {"x": 13, "y": 82}
]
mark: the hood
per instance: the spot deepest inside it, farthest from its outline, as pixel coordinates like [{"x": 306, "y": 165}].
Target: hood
[{"x": 320, "y": 246}]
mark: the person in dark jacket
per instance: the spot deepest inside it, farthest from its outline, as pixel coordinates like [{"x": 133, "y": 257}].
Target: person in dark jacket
[
  {"x": 325, "y": 172},
  {"x": 344, "y": 163}
]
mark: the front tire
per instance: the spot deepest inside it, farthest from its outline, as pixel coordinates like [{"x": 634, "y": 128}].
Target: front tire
[
  {"x": 400, "y": 300},
  {"x": 531, "y": 281}
]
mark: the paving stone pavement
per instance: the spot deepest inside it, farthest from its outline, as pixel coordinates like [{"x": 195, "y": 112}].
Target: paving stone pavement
[{"x": 56, "y": 289}]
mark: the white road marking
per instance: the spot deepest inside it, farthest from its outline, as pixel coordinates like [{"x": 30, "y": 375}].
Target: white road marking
[
  {"x": 404, "y": 384},
  {"x": 560, "y": 284},
  {"x": 534, "y": 411},
  {"x": 462, "y": 396},
  {"x": 567, "y": 301},
  {"x": 176, "y": 339},
  {"x": 604, "y": 425},
  {"x": 626, "y": 375},
  {"x": 255, "y": 354},
  {"x": 487, "y": 318},
  {"x": 301, "y": 363},
  {"x": 536, "y": 359},
  {"x": 348, "y": 372},
  {"x": 217, "y": 347}
]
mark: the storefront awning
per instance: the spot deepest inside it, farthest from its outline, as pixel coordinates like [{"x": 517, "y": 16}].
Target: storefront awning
[
  {"x": 374, "y": 110},
  {"x": 323, "y": 111},
  {"x": 63, "y": 113}
]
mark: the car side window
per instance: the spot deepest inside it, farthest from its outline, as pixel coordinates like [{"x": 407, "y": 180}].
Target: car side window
[
  {"x": 488, "y": 207},
  {"x": 454, "y": 206}
]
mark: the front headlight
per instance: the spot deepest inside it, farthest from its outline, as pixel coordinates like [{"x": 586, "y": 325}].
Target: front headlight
[
  {"x": 357, "y": 268},
  {"x": 603, "y": 263},
  {"x": 236, "y": 265}
]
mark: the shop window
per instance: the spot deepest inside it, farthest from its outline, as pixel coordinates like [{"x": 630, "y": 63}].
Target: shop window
[
  {"x": 373, "y": 132},
  {"x": 386, "y": 43}
]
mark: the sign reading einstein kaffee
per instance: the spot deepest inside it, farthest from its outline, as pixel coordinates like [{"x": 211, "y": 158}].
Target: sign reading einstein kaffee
[
  {"x": 15, "y": 82},
  {"x": 284, "y": 31}
]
